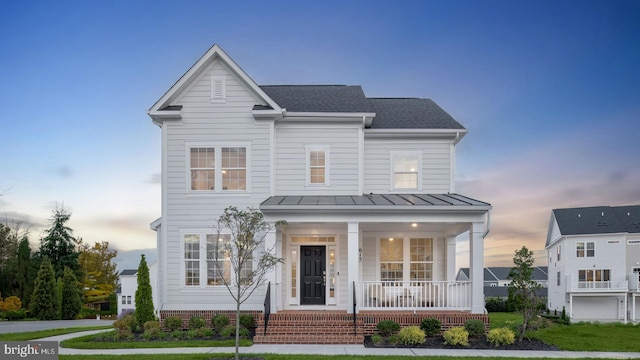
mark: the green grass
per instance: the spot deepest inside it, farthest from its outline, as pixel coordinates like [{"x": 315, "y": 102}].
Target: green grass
[
  {"x": 592, "y": 337},
  {"x": 500, "y": 319},
  {"x": 86, "y": 342},
  {"x": 25, "y": 336}
]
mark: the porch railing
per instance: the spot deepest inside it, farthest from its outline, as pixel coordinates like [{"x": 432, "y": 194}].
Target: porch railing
[
  {"x": 415, "y": 295},
  {"x": 602, "y": 285}
]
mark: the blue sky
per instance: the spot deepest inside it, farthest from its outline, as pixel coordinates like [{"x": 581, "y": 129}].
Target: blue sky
[{"x": 550, "y": 93}]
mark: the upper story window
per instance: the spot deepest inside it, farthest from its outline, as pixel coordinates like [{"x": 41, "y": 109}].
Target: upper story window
[
  {"x": 406, "y": 171},
  {"x": 218, "y": 88},
  {"x": 590, "y": 249},
  {"x": 218, "y": 168},
  {"x": 558, "y": 253},
  {"x": 317, "y": 164}
]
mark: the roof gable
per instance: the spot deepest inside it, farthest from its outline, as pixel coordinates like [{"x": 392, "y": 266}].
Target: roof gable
[{"x": 213, "y": 54}]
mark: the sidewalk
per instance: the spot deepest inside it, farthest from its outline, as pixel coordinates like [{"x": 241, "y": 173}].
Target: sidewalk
[{"x": 342, "y": 350}]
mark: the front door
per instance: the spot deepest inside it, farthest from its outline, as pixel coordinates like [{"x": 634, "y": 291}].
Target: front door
[{"x": 313, "y": 271}]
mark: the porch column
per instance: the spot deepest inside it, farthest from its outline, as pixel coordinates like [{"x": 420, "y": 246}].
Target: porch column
[
  {"x": 353, "y": 259},
  {"x": 273, "y": 275},
  {"x": 451, "y": 258},
  {"x": 476, "y": 267}
]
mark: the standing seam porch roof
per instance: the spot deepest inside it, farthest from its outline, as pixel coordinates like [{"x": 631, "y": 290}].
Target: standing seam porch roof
[{"x": 373, "y": 201}]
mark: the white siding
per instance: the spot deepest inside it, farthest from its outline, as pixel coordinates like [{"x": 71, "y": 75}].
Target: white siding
[
  {"x": 291, "y": 162},
  {"x": 230, "y": 121},
  {"x": 436, "y": 164}
]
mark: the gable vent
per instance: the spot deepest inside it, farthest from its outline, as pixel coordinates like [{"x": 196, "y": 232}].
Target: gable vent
[{"x": 218, "y": 88}]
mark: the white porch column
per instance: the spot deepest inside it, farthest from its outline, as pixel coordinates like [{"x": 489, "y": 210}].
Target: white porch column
[
  {"x": 451, "y": 258},
  {"x": 353, "y": 266},
  {"x": 270, "y": 245},
  {"x": 476, "y": 267}
]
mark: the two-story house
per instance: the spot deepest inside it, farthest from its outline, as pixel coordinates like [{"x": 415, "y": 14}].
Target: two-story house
[
  {"x": 594, "y": 262},
  {"x": 366, "y": 186}
]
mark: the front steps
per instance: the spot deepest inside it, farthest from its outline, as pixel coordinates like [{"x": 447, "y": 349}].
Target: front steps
[{"x": 317, "y": 327}]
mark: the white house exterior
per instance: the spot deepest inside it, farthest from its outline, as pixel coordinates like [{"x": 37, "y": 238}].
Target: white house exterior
[
  {"x": 129, "y": 285},
  {"x": 594, "y": 262},
  {"x": 366, "y": 187}
]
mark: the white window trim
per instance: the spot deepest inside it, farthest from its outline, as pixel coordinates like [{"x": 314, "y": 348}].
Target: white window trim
[
  {"x": 327, "y": 163},
  {"x": 406, "y": 252},
  {"x": 218, "y": 167},
  {"x": 218, "y": 82},
  {"x": 392, "y": 158}
]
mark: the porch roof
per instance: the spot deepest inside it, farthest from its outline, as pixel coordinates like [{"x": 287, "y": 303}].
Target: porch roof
[{"x": 391, "y": 202}]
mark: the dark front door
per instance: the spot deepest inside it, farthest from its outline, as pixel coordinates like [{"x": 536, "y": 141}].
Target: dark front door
[{"x": 312, "y": 281}]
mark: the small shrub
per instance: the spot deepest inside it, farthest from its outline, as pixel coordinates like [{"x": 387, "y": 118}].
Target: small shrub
[
  {"x": 152, "y": 330},
  {"x": 124, "y": 335},
  {"x": 495, "y": 304},
  {"x": 219, "y": 322},
  {"x": 376, "y": 339},
  {"x": 394, "y": 339},
  {"x": 11, "y": 303},
  {"x": 173, "y": 323},
  {"x": 430, "y": 326},
  {"x": 203, "y": 332},
  {"x": 411, "y": 335},
  {"x": 501, "y": 336},
  {"x": 456, "y": 336},
  {"x": 247, "y": 321},
  {"x": 387, "y": 328},
  {"x": 196, "y": 322},
  {"x": 128, "y": 322},
  {"x": 15, "y": 314},
  {"x": 475, "y": 328},
  {"x": 177, "y": 335},
  {"x": 228, "y": 331}
]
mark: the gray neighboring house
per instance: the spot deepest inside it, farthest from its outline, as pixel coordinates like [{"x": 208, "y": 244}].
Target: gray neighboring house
[
  {"x": 496, "y": 280},
  {"x": 594, "y": 262},
  {"x": 126, "y": 292}
]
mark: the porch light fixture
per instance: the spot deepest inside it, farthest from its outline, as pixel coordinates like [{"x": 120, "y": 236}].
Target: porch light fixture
[{"x": 360, "y": 254}]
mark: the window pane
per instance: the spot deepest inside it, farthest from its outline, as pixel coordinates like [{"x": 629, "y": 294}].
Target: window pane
[
  {"x": 391, "y": 249},
  {"x": 202, "y": 168},
  {"x": 591, "y": 250},
  {"x": 405, "y": 164},
  {"x": 234, "y": 168},
  {"x": 317, "y": 176},
  {"x": 391, "y": 271},
  {"x": 580, "y": 249},
  {"x": 218, "y": 264},
  {"x": 406, "y": 180},
  {"x": 316, "y": 157},
  {"x": 234, "y": 180}
]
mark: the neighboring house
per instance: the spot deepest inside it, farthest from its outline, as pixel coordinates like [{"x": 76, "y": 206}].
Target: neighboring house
[
  {"x": 366, "y": 186},
  {"x": 594, "y": 262},
  {"x": 498, "y": 276},
  {"x": 129, "y": 284},
  {"x": 496, "y": 280}
]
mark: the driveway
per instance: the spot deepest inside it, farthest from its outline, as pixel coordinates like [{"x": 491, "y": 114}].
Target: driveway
[{"x": 25, "y": 326}]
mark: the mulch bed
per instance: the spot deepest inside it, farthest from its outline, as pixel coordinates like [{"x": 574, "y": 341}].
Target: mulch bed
[{"x": 438, "y": 343}]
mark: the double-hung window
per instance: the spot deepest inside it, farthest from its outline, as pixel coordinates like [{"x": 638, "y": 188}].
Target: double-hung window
[
  {"x": 317, "y": 160},
  {"x": 398, "y": 254},
  {"x": 192, "y": 259},
  {"x": 218, "y": 262},
  {"x": 406, "y": 171},
  {"x": 218, "y": 168},
  {"x": 590, "y": 249}
]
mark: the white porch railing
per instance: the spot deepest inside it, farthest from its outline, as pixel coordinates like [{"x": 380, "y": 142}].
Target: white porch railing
[
  {"x": 414, "y": 295},
  {"x": 601, "y": 286}
]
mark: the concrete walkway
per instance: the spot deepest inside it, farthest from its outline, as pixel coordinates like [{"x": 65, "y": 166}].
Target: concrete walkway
[{"x": 341, "y": 350}]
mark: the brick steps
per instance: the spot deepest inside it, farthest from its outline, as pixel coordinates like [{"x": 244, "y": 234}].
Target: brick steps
[{"x": 309, "y": 328}]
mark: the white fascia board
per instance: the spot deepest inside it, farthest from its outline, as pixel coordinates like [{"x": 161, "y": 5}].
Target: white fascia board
[
  {"x": 455, "y": 134},
  {"x": 214, "y": 52},
  {"x": 478, "y": 209},
  {"x": 156, "y": 224},
  {"x": 158, "y": 117},
  {"x": 267, "y": 114},
  {"x": 365, "y": 118}
]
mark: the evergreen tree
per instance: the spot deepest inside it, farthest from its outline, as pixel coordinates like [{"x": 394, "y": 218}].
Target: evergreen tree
[
  {"x": 25, "y": 275},
  {"x": 71, "y": 296},
  {"x": 44, "y": 301},
  {"x": 144, "y": 298},
  {"x": 59, "y": 245}
]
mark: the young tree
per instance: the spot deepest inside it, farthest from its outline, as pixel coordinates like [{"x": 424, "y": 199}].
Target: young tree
[
  {"x": 71, "y": 296},
  {"x": 59, "y": 245},
  {"x": 522, "y": 288},
  {"x": 241, "y": 244},
  {"x": 144, "y": 297},
  {"x": 44, "y": 301}
]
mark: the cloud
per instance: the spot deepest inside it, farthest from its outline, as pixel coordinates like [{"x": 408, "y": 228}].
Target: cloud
[
  {"x": 155, "y": 178},
  {"x": 572, "y": 172}
]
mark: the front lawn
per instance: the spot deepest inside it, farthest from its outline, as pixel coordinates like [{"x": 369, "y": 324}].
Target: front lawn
[
  {"x": 89, "y": 342},
  {"x": 502, "y": 319},
  {"x": 592, "y": 337},
  {"x": 32, "y": 335}
]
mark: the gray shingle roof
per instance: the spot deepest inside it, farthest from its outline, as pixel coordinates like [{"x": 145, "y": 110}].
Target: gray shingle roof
[
  {"x": 598, "y": 220},
  {"x": 129, "y": 272},
  {"x": 318, "y": 98},
  {"x": 495, "y": 273},
  {"x": 392, "y": 113}
]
